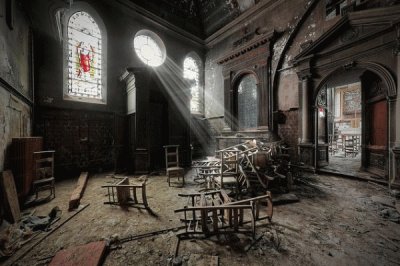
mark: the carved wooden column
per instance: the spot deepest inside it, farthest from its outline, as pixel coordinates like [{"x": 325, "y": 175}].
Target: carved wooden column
[
  {"x": 264, "y": 90},
  {"x": 306, "y": 147},
  {"x": 395, "y": 118},
  {"x": 305, "y": 107},
  {"x": 228, "y": 95}
]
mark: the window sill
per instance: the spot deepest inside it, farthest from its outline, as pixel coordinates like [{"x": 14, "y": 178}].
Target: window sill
[{"x": 84, "y": 99}]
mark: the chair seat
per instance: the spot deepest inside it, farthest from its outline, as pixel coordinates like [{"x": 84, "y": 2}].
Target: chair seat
[
  {"x": 43, "y": 181},
  {"x": 228, "y": 180},
  {"x": 176, "y": 168}
]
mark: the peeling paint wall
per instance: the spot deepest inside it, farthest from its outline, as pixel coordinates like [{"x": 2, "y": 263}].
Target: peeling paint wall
[
  {"x": 15, "y": 114},
  {"x": 15, "y": 121}
]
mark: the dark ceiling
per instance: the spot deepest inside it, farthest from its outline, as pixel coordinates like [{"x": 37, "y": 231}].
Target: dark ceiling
[{"x": 199, "y": 17}]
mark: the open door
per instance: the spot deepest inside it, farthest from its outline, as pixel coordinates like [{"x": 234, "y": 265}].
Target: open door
[{"x": 376, "y": 125}]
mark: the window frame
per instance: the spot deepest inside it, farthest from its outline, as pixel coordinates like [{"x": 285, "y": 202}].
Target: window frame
[
  {"x": 199, "y": 62},
  {"x": 237, "y": 82},
  {"x": 84, "y": 7},
  {"x": 159, "y": 42}
]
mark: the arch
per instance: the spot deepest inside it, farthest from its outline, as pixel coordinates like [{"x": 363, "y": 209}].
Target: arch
[
  {"x": 239, "y": 75},
  {"x": 378, "y": 105},
  {"x": 86, "y": 56},
  {"x": 376, "y": 68}
]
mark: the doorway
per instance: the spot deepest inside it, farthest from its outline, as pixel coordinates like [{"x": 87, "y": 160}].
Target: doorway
[
  {"x": 352, "y": 125},
  {"x": 344, "y": 127}
]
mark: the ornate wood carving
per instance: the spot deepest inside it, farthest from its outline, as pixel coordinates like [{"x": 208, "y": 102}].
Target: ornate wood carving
[
  {"x": 251, "y": 57},
  {"x": 258, "y": 41}
]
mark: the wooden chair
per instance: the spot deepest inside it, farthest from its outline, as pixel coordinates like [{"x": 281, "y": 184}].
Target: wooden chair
[
  {"x": 172, "y": 164},
  {"x": 44, "y": 173},
  {"x": 214, "y": 213},
  {"x": 126, "y": 194},
  {"x": 350, "y": 147}
]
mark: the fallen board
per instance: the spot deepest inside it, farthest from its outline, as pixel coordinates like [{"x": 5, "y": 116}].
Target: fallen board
[
  {"x": 86, "y": 255},
  {"x": 78, "y": 191},
  {"x": 11, "y": 197}
]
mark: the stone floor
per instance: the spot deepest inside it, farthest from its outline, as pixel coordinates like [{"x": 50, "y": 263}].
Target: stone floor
[
  {"x": 336, "y": 222},
  {"x": 348, "y": 166}
]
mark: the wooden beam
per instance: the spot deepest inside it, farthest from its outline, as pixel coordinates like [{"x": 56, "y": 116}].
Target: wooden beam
[
  {"x": 78, "y": 192},
  {"x": 11, "y": 197}
]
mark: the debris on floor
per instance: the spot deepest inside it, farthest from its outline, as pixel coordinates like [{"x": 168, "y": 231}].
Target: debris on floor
[
  {"x": 84, "y": 255},
  {"x": 14, "y": 236},
  {"x": 390, "y": 214}
]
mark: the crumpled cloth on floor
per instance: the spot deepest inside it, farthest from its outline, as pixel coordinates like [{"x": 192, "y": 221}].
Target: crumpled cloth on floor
[{"x": 13, "y": 236}]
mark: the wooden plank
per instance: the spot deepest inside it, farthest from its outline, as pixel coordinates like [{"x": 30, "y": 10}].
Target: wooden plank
[
  {"x": 11, "y": 197},
  {"x": 85, "y": 255},
  {"x": 78, "y": 192}
]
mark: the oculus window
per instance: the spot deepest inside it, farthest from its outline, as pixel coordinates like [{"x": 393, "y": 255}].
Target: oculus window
[
  {"x": 149, "y": 48},
  {"x": 247, "y": 102},
  {"x": 191, "y": 72},
  {"x": 84, "y": 44}
]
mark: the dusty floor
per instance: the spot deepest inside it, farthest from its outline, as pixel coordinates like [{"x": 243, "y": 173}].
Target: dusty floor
[{"x": 336, "y": 222}]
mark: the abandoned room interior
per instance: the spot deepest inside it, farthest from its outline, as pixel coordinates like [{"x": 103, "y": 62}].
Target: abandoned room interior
[{"x": 199, "y": 132}]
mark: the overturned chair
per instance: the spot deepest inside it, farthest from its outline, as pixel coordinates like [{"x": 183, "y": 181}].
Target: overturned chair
[
  {"x": 125, "y": 194},
  {"x": 214, "y": 213}
]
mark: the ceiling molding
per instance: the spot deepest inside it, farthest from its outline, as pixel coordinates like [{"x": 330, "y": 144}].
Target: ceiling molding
[
  {"x": 160, "y": 22},
  {"x": 251, "y": 14}
]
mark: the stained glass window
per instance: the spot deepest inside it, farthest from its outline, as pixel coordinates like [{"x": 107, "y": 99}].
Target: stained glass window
[
  {"x": 247, "y": 102},
  {"x": 148, "y": 50},
  {"x": 191, "y": 72},
  {"x": 84, "y": 57}
]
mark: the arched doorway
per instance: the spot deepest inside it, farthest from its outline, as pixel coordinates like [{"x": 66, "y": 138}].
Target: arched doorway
[{"x": 351, "y": 123}]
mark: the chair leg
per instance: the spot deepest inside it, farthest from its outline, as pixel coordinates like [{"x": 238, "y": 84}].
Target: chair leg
[{"x": 144, "y": 197}]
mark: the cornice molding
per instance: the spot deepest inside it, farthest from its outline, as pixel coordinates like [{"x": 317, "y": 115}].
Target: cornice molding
[
  {"x": 251, "y": 45},
  {"x": 253, "y": 13},
  {"x": 379, "y": 16}
]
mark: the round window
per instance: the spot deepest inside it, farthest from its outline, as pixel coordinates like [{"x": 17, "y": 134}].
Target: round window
[{"x": 150, "y": 48}]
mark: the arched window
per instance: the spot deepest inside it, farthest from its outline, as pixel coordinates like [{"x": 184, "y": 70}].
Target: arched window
[
  {"x": 85, "y": 58},
  {"x": 247, "y": 102},
  {"x": 191, "y": 71},
  {"x": 149, "y": 48}
]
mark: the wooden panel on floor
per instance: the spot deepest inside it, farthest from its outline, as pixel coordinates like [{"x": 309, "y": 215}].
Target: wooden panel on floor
[
  {"x": 13, "y": 213},
  {"x": 78, "y": 192},
  {"x": 86, "y": 255}
]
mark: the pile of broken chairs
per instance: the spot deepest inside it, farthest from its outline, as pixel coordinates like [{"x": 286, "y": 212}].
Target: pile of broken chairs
[
  {"x": 249, "y": 167},
  {"x": 245, "y": 169}
]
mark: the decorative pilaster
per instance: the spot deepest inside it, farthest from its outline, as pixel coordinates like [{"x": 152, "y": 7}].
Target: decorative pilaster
[
  {"x": 306, "y": 147},
  {"x": 264, "y": 90},
  {"x": 228, "y": 96},
  {"x": 305, "y": 108},
  {"x": 395, "y": 119}
]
